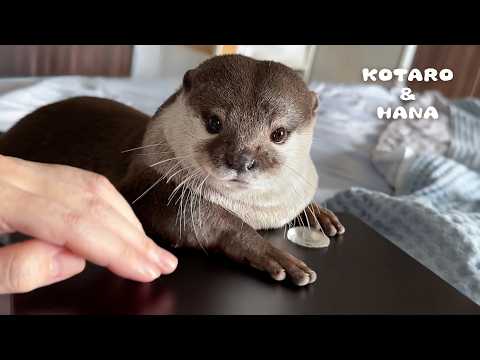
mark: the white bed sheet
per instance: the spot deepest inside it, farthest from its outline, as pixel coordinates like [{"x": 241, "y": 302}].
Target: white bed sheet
[
  {"x": 144, "y": 95},
  {"x": 347, "y": 128},
  {"x": 346, "y": 133}
]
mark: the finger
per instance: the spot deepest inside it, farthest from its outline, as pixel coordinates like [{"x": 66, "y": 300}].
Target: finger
[
  {"x": 82, "y": 201},
  {"x": 59, "y": 180},
  {"x": 90, "y": 204},
  {"x": 125, "y": 231},
  {"x": 83, "y": 234},
  {"x": 98, "y": 185},
  {"x": 32, "y": 264}
]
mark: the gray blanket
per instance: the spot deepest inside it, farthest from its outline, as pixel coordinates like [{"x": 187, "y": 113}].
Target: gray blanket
[{"x": 434, "y": 214}]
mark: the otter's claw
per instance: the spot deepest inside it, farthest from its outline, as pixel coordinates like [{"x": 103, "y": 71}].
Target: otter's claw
[
  {"x": 280, "y": 264},
  {"x": 325, "y": 218}
]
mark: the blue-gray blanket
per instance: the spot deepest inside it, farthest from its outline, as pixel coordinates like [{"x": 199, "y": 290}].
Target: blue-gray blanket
[{"x": 435, "y": 216}]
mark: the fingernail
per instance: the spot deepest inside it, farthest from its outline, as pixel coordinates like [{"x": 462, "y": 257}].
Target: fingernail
[
  {"x": 150, "y": 271},
  {"x": 172, "y": 262},
  {"x": 164, "y": 259},
  {"x": 65, "y": 264}
]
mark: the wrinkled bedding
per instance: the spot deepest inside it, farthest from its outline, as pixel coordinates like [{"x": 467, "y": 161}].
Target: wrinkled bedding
[{"x": 433, "y": 213}]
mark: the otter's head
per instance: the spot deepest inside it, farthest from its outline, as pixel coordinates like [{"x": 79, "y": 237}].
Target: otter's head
[{"x": 241, "y": 121}]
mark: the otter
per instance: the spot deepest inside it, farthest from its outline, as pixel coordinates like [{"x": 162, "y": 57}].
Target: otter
[{"x": 225, "y": 156}]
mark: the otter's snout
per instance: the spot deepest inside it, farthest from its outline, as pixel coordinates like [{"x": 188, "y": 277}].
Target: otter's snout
[
  {"x": 228, "y": 158},
  {"x": 240, "y": 161}
]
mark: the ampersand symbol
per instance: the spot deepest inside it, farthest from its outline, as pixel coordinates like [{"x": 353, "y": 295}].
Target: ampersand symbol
[{"x": 407, "y": 94}]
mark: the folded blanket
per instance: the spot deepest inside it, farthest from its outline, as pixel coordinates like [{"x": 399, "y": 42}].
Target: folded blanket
[{"x": 434, "y": 214}]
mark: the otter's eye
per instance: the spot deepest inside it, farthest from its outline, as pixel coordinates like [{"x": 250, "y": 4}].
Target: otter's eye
[
  {"x": 279, "y": 135},
  {"x": 213, "y": 124}
]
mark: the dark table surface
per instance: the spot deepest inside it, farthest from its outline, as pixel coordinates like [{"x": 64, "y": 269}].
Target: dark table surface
[{"x": 360, "y": 273}]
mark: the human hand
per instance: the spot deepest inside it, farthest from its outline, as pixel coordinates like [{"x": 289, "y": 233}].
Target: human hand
[{"x": 72, "y": 216}]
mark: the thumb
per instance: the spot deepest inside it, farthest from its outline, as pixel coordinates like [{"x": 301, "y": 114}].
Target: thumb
[{"x": 32, "y": 264}]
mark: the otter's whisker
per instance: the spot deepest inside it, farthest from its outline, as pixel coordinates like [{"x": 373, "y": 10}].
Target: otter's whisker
[
  {"x": 185, "y": 195},
  {"x": 299, "y": 217},
  {"x": 192, "y": 200},
  {"x": 180, "y": 170},
  {"x": 199, "y": 203},
  {"x": 172, "y": 168},
  {"x": 146, "y": 191},
  {"x": 181, "y": 210},
  {"x": 164, "y": 161},
  {"x": 306, "y": 218},
  {"x": 154, "y": 153},
  {"x": 314, "y": 215},
  {"x": 182, "y": 192},
  {"x": 191, "y": 197},
  {"x": 182, "y": 207},
  {"x": 300, "y": 176},
  {"x": 181, "y": 184},
  {"x": 143, "y": 147},
  {"x": 150, "y": 188},
  {"x": 319, "y": 211}
]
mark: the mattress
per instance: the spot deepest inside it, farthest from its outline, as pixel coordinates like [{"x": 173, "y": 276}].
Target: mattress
[{"x": 346, "y": 130}]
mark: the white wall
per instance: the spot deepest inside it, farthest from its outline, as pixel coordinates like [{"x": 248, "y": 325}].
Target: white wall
[
  {"x": 344, "y": 63},
  {"x": 331, "y": 63},
  {"x": 164, "y": 60},
  {"x": 290, "y": 55}
]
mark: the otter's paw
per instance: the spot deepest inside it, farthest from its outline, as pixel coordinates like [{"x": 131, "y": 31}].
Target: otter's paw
[
  {"x": 318, "y": 216},
  {"x": 280, "y": 264}
]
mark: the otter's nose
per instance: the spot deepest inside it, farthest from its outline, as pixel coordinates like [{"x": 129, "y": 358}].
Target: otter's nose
[{"x": 240, "y": 161}]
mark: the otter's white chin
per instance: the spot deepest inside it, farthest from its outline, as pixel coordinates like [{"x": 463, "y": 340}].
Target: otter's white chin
[
  {"x": 228, "y": 184},
  {"x": 225, "y": 179}
]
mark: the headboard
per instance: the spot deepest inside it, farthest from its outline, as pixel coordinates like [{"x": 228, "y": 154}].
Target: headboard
[{"x": 49, "y": 60}]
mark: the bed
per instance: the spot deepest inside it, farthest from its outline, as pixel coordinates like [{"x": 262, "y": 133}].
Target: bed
[{"x": 359, "y": 159}]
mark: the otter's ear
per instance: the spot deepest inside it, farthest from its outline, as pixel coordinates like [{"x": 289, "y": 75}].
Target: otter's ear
[
  {"x": 314, "y": 102},
  {"x": 187, "y": 80}
]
